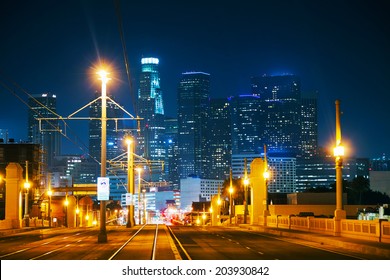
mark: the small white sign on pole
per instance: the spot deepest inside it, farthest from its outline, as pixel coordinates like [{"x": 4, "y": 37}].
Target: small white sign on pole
[
  {"x": 129, "y": 199},
  {"x": 103, "y": 188}
]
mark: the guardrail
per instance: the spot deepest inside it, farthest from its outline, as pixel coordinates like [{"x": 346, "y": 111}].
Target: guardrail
[
  {"x": 376, "y": 230},
  {"x": 385, "y": 232},
  {"x": 301, "y": 223}
]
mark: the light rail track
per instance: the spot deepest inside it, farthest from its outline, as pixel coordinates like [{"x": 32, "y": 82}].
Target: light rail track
[
  {"x": 144, "y": 242},
  {"x": 142, "y": 245}
]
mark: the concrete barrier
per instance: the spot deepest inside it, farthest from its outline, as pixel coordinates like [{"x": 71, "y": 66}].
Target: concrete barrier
[{"x": 376, "y": 230}]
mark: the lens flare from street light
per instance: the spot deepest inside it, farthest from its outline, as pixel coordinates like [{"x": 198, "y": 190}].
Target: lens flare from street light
[
  {"x": 246, "y": 181},
  {"x": 266, "y": 174},
  {"x": 339, "y": 151},
  {"x": 49, "y": 193},
  {"x": 231, "y": 190},
  {"x": 129, "y": 140},
  {"x": 27, "y": 185},
  {"x": 103, "y": 76}
]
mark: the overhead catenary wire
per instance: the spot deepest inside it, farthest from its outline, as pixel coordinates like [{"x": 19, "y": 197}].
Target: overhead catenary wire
[
  {"x": 82, "y": 147},
  {"x": 125, "y": 57}
]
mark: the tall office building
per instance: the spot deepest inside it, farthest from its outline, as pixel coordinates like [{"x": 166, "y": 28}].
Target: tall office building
[
  {"x": 115, "y": 145},
  {"x": 280, "y": 96},
  {"x": 172, "y": 151},
  {"x": 320, "y": 171},
  {"x": 193, "y": 103},
  {"x": 218, "y": 137},
  {"x": 44, "y": 132},
  {"x": 150, "y": 142},
  {"x": 309, "y": 126},
  {"x": 247, "y": 124}
]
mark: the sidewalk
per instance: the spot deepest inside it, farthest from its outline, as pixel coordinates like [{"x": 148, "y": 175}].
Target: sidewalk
[
  {"x": 381, "y": 250},
  {"x": 6, "y": 232}
]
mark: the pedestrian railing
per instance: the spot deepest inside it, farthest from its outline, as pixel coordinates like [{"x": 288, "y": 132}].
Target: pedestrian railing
[{"x": 377, "y": 230}]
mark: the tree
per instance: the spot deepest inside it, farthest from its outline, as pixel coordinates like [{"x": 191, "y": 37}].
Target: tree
[
  {"x": 358, "y": 187},
  {"x": 239, "y": 191}
]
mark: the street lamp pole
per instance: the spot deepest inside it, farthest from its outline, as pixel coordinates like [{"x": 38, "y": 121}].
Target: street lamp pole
[
  {"x": 130, "y": 181},
  {"x": 266, "y": 177},
  {"x": 66, "y": 203},
  {"x": 219, "y": 207},
  {"x": 246, "y": 182},
  {"x": 102, "y": 237},
  {"x": 139, "y": 169},
  {"x": 49, "y": 193},
  {"x": 338, "y": 153},
  {"x": 26, "y": 186},
  {"x": 144, "y": 207},
  {"x": 230, "y": 196}
]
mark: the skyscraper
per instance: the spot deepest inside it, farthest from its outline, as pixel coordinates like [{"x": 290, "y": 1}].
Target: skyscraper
[
  {"x": 280, "y": 97},
  {"x": 172, "y": 151},
  {"x": 44, "y": 132},
  {"x": 193, "y": 102},
  {"x": 247, "y": 124},
  {"x": 309, "y": 125},
  {"x": 219, "y": 140},
  {"x": 114, "y": 134},
  {"x": 150, "y": 142}
]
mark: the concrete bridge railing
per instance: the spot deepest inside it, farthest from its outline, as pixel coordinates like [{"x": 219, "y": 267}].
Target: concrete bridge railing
[{"x": 376, "y": 230}]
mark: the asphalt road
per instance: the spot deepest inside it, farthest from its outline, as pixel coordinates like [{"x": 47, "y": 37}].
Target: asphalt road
[
  {"x": 216, "y": 243},
  {"x": 196, "y": 243}
]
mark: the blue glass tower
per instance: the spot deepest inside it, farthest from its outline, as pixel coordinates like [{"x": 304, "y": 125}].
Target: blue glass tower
[
  {"x": 280, "y": 97},
  {"x": 193, "y": 104},
  {"x": 150, "y": 141}
]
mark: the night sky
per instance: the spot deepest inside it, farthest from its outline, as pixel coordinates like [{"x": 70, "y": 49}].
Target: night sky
[{"x": 339, "y": 48}]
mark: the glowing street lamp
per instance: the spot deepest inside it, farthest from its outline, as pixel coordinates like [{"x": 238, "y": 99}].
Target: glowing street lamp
[
  {"x": 219, "y": 202},
  {"x": 231, "y": 190},
  {"x": 103, "y": 76},
  {"x": 49, "y": 193},
  {"x": 130, "y": 180},
  {"x": 339, "y": 154},
  {"x": 26, "y": 187},
  {"x": 266, "y": 175},
  {"x": 246, "y": 183},
  {"x": 66, "y": 203}
]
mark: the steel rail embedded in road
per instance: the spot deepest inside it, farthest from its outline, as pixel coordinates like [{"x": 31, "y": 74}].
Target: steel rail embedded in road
[
  {"x": 179, "y": 243},
  {"x": 141, "y": 231}
]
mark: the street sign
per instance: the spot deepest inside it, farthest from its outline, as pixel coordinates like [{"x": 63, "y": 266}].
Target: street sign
[
  {"x": 103, "y": 188},
  {"x": 129, "y": 199},
  {"x": 126, "y": 199}
]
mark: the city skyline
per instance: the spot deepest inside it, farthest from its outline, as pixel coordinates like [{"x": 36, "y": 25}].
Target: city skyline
[{"x": 337, "y": 49}]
